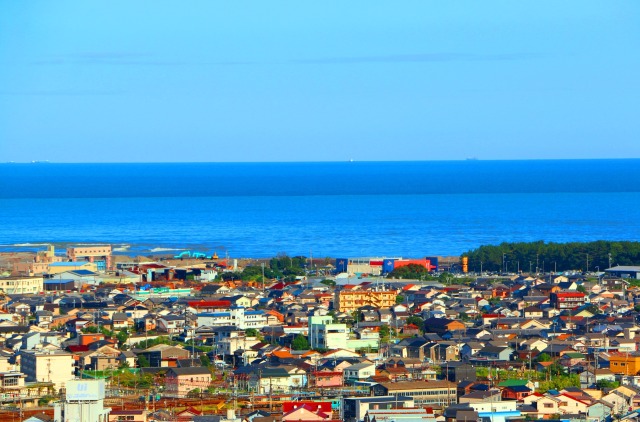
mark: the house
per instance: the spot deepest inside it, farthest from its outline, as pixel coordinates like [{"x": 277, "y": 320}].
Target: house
[
  {"x": 489, "y": 352},
  {"x": 128, "y": 415},
  {"x": 359, "y": 372},
  {"x": 162, "y": 355},
  {"x": 325, "y": 377},
  {"x": 180, "y": 381},
  {"x": 590, "y": 377},
  {"x": 442, "y": 325},
  {"x": 516, "y": 392},
  {"x": 307, "y": 411}
]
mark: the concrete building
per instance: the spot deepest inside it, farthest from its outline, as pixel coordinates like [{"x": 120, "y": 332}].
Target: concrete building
[
  {"x": 180, "y": 381},
  {"x": 100, "y": 255},
  {"x": 350, "y": 300},
  {"x": 624, "y": 363},
  {"x": 567, "y": 300},
  {"x": 324, "y": 334},
  {"x": 424, "y": 393},
  {"x": 39, "y": 264},
  {"x": 21, "y": 285},
  {"x": 55, "y": 367},
  {"x": 84, "y": 402}
]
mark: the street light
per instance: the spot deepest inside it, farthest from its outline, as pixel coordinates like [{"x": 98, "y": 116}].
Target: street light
[{"x": 504, "y": 265}]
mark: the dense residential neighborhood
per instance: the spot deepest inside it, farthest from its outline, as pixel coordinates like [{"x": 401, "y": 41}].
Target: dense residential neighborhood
[{"x": 98, "y": 336}]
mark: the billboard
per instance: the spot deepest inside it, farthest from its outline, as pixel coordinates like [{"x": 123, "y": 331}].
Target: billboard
[
  {"x": 85, "y": 390},
  {"x": 388, "y": 265}
]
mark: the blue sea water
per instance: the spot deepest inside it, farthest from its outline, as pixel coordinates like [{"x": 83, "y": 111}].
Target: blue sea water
[{"x": 334, "y": 209}]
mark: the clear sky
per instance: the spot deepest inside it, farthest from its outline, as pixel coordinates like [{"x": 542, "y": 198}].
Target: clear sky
[{"x": 120, "y": 81}]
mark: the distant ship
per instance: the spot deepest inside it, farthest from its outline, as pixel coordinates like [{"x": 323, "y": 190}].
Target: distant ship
[{"x": 472, "y": 158}]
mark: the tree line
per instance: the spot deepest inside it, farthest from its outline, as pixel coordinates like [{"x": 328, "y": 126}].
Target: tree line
[{"x": 543, "y": 256}]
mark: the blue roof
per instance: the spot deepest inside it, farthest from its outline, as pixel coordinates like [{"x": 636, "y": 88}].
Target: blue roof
[
  {"x": 254, "y": 313},
  {"x": 68, "y": 264},
  {"x": 83, "y": 272},
  {"x": 58, "y": 281}
]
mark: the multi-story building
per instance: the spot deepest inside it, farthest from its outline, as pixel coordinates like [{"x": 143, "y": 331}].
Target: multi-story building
[
  {"x": 350, "y": 300},
  {"x": 84, "y": 401},
  {"x": 424, "y": 393},
  {"x": 236, "y": 316},
  {"x": 21, "y": 285},
  {"x": 180, "y": 381},
  {"x": 624, "y": 363},
  {"x": 100, "y": 255},
  {"x": 567, "y": 300},
  {"x": 324, "y": 334},
  {"x": 355, "y": 408},
  {"x": 39, "y": 264},
  {"x": 54, "y": 367}
]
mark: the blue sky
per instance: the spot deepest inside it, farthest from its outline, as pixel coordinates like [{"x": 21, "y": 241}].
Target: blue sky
[{"x": 136, "y": 81}]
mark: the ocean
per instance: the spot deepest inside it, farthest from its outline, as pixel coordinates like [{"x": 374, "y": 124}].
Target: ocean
[{"x": 336, "y": 209}]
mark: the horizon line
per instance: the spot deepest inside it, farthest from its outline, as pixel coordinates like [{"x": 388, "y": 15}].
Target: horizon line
[{"x": 349, "y": 161}]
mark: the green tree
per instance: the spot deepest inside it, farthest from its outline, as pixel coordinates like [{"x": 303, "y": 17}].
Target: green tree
[
  {"x": 328, "y": 282},
  {"x": 446, "y": 278},
  {"x": 205, "y": 361},
  {"x": 399, "y": 299},
  {"x": 417, "y": 321},
  {"x": 384, "y": 331},
  {"x": 122, "y": 337},
  {"x": 143, "y": 362},
  {"x": 300, "y": 343},
  {"x": 544, "y": 357},
  {"x": 411, "y": 271},
  {"x": 602, "y": 384},
  {"x": 252, "y": 332}
]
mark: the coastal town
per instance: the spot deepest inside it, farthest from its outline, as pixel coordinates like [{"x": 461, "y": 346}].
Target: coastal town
[{"x": 91, "y": 335}]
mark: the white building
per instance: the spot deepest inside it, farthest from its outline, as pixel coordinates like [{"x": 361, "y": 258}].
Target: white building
[
  {"x": 47, "y": 366},
  {"x": 84, "y": 402},
  {"x": 324, "y": 334},
  {"x": 236, "y": 316}
]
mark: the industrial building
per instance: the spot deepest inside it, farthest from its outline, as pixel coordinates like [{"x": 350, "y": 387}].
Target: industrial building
[
  {"x": 624, "y": 271},
  {"x": 381, "y": 265},
  {"x": 84, "y": 402},
  {"x": 99, "y": 255}
]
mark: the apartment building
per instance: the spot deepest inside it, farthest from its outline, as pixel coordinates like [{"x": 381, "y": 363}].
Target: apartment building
[
  {"x": 238, "y": 317},
  {"x": 21, "y": 285},
  {"x": 567, "y": 300},
  {"x": 55, "y": 367},
  {"x": 350, "y": 300},
  {"x": 324, "y": 334}
]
